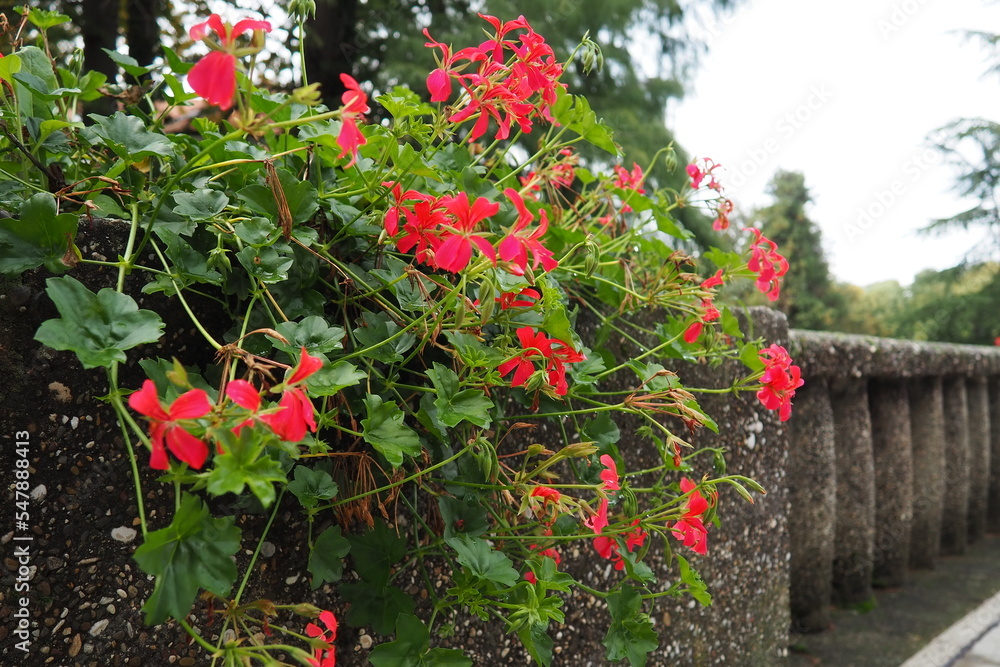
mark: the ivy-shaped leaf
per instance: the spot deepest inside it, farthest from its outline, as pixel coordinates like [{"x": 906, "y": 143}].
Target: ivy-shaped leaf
[
  {"x": 311, "y": 486},
  {"x": 128, "y": 137},
  {"x": 326, "y": 562},
  {"x": 375, "y": 552},
  {"x": 482, "y": 561},
  {"x": 332, "y": 378},
  {"x": 244, "y": 462},
  {"x": 203, "y": 204},
  {"x": 384, "y": 430},
  {"x": 311, "y": 332},
  {"x": 412, "y": 648},
  {"x": 97, "y": 327},
  {"x": 631, "y": 633},
  {"x": 265, "y": 264},
  {"x": 192, "y": 553},
  {"x": 454, "y": 406},
  {"x": 463, "y": 516},
  {"x": 38, "y": 237},
  {"x": 377, "y": 607},
  {"x": 538, "y": 643}
]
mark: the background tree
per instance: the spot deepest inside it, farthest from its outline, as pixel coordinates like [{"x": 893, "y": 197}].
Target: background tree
[{"x": 808, "y": 296}]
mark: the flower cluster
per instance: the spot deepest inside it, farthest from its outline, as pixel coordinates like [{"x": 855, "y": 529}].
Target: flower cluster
[
  {"x": 559, "y": 174},
  {"x": 780, "y": 380},
  {"x": 690, "y": 528},
  {"x": 607, "y": 546},
  {"x": 537, "y": 345},
  {"x": 709, "y": 313},
  {"x": 767, "y": 263},
  {"x": 511, "y": 88},
  {"x": 165, "y": 429},
  {"x": 703, "y": 175},
  {"x": 442, "y": 231},
  {"x": 295, "y": 415},
  {"x": 214, "y": 76}
]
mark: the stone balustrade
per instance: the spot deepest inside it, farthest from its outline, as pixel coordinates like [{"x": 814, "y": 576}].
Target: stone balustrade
[
  {"x": 890, "y": 460},
  {"x": 894, "y": 460}
]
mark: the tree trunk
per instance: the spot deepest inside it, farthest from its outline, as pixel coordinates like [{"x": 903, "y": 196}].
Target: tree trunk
[
  {"x": 331, "y": 46},
  {"x": 142, "y": 31},
  {"x": 99, "y": 28}
]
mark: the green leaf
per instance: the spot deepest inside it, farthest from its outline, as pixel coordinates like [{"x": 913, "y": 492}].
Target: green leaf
[
  {"x": 326, "y": 558},
  {"x": 482, "y": 561},
  {"x": 537, "y": 642},
  {"x": 331, "y": 379},
  {"x": 601, "y": 430},
  {"x": 300, "y": 195},
  {"x": 384, "y": 430},
  {"x": 193, "y": 552},
  {"x": 38, "y": 237},
  {"x": 375, "y": 607},
  {"x": 631, "y": 633},
  {"x": 412, "y": 648},
  {"x": 43, "y": 19},
  {"x": 255, "y": 231},
  {"x": 453, "y": 405},
  {"x": 9, "y": 66},
  {"x": 463, "y": 516},
  {"x": 203, "y": 204},
  {"x": 127, "y": 63},
  {"x": 245, "y": 463},
  {"x": 377, "y": 332},
  {"x": 556, "y": 322},
  {"x": 311, "y": 332},
  {"x": 311, "y": 485},
  {"x": 128, "y": 137},
  {"x": 98, "y": 327},
  {"x": 176, "y": 63},
  {"x": 696, "y": 587},
  {"x": 575, "y": 113},
  {"x": 265, "y": 264},
  {"x": 375, "y": 552}
]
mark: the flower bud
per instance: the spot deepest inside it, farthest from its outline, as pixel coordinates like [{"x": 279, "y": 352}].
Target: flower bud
[
  {"x": 591, "y": 56},
  {"x": 308, "y": 95},
  {"x": 302, "y": 9}
]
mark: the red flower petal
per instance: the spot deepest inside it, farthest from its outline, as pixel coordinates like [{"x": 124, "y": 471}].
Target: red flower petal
[
  {"x": 307, "y": 366},
  {"x": 186, "y": 447},
  {"x": 214, "y": 78},
  {"x": 146, "y": 402},
  {"x": 190, "y": 405},
  {"x": 243, "y": 394}
]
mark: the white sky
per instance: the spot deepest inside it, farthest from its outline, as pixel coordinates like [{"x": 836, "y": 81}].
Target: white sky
[{"x": 845, "y": 92}]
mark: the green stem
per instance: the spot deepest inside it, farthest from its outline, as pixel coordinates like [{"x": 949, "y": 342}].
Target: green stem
[{"x": 256, "y": 552}]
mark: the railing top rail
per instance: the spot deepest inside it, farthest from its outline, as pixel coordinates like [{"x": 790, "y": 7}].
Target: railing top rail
[{"x": 848, "y": 355}]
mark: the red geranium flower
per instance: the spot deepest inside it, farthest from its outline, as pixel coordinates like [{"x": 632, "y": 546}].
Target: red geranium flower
[
  {"x": 516, "y": 246},
  {"x": 324, "y": 657},
  {"x": 610, "y": 473},
  {"x": 455, "y": 250},
  {"x": 297, "y": 413},
  {"x": 690, "y": 527},
  {"x": 781, "y": 378},
  {"x": 767, "y": 263},
  {"x": 164, "y": 430},
  {"x": 355, "y": 106},
  {"x": 214, "y": 76}
]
